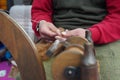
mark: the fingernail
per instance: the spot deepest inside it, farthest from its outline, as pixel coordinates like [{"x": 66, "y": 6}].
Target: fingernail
[
  {"x": 58, "y": 31},
  {"x": 64, "y": 33},
  {"x": 60, "y": 38},
  {"x": 66, "y": 30},
  {"x": 57, "y": 37}
]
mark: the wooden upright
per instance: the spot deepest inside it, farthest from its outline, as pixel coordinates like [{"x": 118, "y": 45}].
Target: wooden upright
[{"x": 22, "y": 49}]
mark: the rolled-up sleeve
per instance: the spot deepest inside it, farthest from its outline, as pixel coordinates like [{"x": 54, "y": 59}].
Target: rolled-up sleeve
[{"x": 108, "y": 30}]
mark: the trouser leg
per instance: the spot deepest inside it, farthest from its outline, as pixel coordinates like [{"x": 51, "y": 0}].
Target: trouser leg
[{"x": 109, "y": 58}]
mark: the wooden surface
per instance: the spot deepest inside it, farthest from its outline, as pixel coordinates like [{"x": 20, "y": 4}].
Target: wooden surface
[
  {"x": 71, "y": 56},
  {"x": 3, "y": 4},
  {"x": 63, "y": 60},
  {"x": 22, "y": 49}
]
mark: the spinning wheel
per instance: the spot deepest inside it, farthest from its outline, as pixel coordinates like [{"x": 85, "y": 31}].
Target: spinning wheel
[
  {"x": 22, "y": 49},
  {"x": 29, "y": 61}
]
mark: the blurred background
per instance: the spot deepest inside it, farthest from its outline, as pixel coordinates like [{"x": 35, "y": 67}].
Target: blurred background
[
  {"x": 20, "y": 11},
  {"x": 7, "y": 4}
]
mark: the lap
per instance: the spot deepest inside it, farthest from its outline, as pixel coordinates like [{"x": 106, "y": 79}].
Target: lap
[{"x": 109, "y": 57}]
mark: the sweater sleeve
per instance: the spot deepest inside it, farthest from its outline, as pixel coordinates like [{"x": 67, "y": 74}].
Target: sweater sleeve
[
  {"x": 108, "y": 30},
  {"x": 41, "y": 10}
]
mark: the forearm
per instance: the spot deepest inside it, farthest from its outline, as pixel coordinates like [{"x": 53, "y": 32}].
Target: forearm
[
  {"x": 108, "y": 30},
  {"x": 41, "y": 10}
]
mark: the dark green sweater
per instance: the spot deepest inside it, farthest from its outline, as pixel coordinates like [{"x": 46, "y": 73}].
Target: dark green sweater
[{"x": 73, "y": 13}]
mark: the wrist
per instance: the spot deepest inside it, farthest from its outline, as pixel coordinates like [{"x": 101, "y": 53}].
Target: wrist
[
  {"x": 95, "y": 34},
  {"x": 38, "y": 25}
]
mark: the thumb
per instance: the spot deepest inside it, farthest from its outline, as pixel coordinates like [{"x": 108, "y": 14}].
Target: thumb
[
  {"x": 66, "y": 34},
  {"x": 54, "y": 28}
]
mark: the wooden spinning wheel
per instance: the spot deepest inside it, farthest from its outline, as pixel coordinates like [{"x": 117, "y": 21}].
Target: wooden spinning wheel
[
  {"x": 29, "y": 61},
  {"x": 22, "y": 49}
]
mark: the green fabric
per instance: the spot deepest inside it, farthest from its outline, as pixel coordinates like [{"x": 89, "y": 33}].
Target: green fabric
[
  {"x": 109, "y": 57},
  {"x": 78, "y": 13},
  {"x": 47, "y": 66}
]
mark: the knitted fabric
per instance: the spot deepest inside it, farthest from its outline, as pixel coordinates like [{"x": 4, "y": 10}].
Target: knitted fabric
[{"x": 78, "y": 13}]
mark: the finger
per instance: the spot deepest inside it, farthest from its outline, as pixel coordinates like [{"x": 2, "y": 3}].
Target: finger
[
  {"x": 60, "y": 38},
  {"x": 47, "y": 32},
  {"x": 45, "y": 37},
  {"x": 76, "y": 32},
  {"x": 54, "y": 29},
  {"x": 67, "y": 34},
  {"x": 58, "y": 32},
  {"x": 50, "y": 33}
]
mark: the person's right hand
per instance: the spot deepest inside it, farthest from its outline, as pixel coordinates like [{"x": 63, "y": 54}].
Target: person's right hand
[{"x": 48, "y": 30}]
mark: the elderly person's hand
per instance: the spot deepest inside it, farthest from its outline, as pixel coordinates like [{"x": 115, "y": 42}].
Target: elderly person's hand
[
  {"x": 47, "y": 30},
  {"x": 68, "y": 33},
  {"x": 75, "y": 32}
]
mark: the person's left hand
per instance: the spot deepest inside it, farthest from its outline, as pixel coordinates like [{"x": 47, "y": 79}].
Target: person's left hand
[{"x": 75, "y": 32}]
